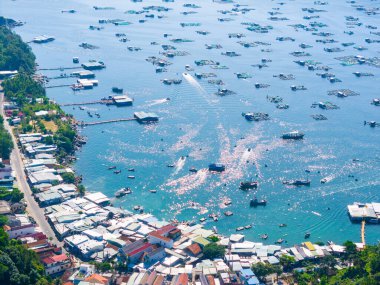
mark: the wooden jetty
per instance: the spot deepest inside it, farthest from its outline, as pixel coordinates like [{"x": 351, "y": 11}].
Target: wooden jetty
[
  {"x": 83, "y": 124},
  {"x": 57, "y": 86},
  {"x": 88, "y": 103},
  {"x": 363, "y": 232},
  {"x": 60, "y": 68}
]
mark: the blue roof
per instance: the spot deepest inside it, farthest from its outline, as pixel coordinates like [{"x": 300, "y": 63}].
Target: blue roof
[
  {"x": 253, "y": 281},
  {"x": 247, "y": 273}
]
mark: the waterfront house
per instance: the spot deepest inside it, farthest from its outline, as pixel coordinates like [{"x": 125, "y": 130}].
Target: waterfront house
[
  {"x": 164, "y": 236},
  {"x": 145, "y": 117},
  {"x": 98, "y": 198}
]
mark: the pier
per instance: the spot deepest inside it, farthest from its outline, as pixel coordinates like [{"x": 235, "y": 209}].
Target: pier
[
  {"x": 60, "y": 68},
  {"x": 57, "y": 86},
  {"x": 109, "y": 102},
  {"x": 82, "y": 124},
  {"x": 363, "y": 232}
]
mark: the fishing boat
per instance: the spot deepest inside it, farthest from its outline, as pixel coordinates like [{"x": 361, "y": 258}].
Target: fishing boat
[
  {"x": 245, "y": 185},
  {"x": 228, "y": 213},
  {"x": 202, "y": 219},
  {"x": 294, "y": 135},
  {"x": 117, "y": 171},
  {"x": 131, "y": 170},
  {"x": 117, "y": 90},
  {"x": 43, "y": 39},
  {"x": 239, "y": 229},
  {"x": 217, "y": 167},
  {"x": 227, "y": 202},
  {"x": 111, "y": 167},
  {"x": 170, "y": 165},
  {"x": 248, "y": 227},
  {"x": 301, "y": 182},
  {"x": 307, "y": 235},
  {"x": 255, "y": 202}
]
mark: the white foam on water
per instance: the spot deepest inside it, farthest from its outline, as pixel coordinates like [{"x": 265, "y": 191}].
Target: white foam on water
[
  {"x": 179, "y": 165},
  {"x": 189, "y": 78}
]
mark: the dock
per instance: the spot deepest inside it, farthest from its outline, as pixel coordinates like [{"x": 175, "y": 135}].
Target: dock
[
  {"x": 83, "y": 124},
  {"x": 363, "y": 232},
  {"x": 109, "y": 102},
  {"x": 57, "y": 86},
  {"x": 59, "y": 68}
]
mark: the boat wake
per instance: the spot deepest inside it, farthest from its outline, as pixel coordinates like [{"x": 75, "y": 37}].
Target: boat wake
[
  {"x": 188, "y": 182},
  {"x": 157, "y": 102},
  {"x": 179, "y": 165},
  {"x": 189, "y": 78}
]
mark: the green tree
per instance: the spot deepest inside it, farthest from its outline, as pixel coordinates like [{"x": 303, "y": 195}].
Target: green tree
[
  {"x": 287, "y": 262},
  {"x": 68, "y": 177},
  {"x": 3, "y": 220},
  {"x": 81, "y": 190},
  {"x": 262, "y": 270},
  {"x": 16, "y": 195},
  {"x": 213, "y": 250}
]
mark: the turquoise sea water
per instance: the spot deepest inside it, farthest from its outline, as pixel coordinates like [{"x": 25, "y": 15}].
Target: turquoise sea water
[{"x": 205, "y": 128}]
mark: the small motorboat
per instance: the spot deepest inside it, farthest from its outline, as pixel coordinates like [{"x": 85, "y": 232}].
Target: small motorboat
[
  {"x": 170, "y": 165},
  {"x": 193, "y": 169},
  {"x": 255, "y": 202},
  {"x": 282, "y": 225},
  {"x": 131, "y": 170},
  {"x": 239, "y": 229},
  {"x": 122, "y": 192},
  {"x": 264, "y": 236},
  {"x": 248, "y": 227},
  {"x": 131, "y": 177},
  {"x": 279, "y": 241},
  {"x": 228, "y": 213},
  {"x": 111, "y": 167},
  {"x": 202, "y": 219},
  {"x": 307, "y": 235},
  {"x": 153, "y": 191},
  {"x": 248, "y": 185},
  {"x": 117, "y": 171}
]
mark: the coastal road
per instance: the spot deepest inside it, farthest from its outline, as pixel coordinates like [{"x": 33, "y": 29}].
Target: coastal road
[{"x": 33, "y": 208}]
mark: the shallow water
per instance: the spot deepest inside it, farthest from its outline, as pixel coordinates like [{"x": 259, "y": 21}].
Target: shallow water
[{"x": 205, "y": 128}]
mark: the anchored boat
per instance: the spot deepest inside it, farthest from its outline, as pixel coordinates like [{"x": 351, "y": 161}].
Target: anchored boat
[{"x": 294, "y": 135}]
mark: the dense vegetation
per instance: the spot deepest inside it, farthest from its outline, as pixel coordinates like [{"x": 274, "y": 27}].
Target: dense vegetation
[
  {"x": 15, "y": 54},
  {"x": 18, "y": 265},
  {"x": 29, "y": 94},
  {"x": 6, "y": 144},
  {"x": 359, "y": 268},
  {"x": 14, "y": 195}
]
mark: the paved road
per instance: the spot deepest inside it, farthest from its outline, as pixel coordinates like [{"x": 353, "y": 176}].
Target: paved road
[{"x": 33, "y": 208}]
